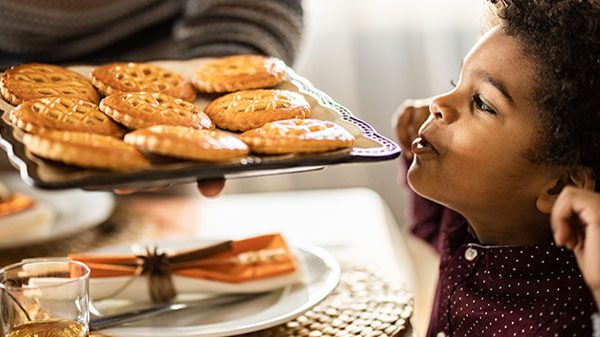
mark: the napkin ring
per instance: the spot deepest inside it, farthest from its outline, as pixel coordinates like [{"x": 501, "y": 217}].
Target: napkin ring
[{"x": 158, "y": 268}]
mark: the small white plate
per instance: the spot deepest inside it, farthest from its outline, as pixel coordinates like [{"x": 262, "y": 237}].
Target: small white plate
[
  {"x": 322, "y": 273},
  {"x": 76, "y": 210}
]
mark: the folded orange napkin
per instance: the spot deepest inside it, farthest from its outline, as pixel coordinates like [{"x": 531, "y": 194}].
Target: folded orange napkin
[{"x": 227, "y": 265}]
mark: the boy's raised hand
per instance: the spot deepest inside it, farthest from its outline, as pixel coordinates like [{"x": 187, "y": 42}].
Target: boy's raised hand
[
  {"x": 406, "y": 122},
  {"x": 576, "y": 225}
]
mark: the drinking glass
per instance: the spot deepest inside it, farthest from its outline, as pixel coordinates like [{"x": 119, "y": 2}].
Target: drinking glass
[{"x": 44, "y": 297}]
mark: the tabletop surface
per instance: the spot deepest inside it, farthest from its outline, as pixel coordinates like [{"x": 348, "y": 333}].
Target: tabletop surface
[{"x": 354, "y": 224}]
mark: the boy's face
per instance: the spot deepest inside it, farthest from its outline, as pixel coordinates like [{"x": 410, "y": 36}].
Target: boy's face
[{"x": 472, "y": 156}]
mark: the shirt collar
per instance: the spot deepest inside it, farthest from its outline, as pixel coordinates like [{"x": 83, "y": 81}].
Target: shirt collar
[{"x": 542, "y": 259}]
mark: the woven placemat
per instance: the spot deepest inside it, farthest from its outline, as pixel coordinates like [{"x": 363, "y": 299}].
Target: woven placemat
[
  {"x": 121, "y": 227},
  {"x": 363, "y": 304}
]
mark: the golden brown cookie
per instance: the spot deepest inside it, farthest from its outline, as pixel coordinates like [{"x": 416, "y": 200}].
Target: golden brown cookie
[
  {"x": 137, "y": 110},
  {"x": 63, "y": 113},
  {"x": 85, "y": 150},
  {"x": 297, "y": 136},
  {"x": 250, "y": 109},
  {"x": 36, "y": 80},
  {"x": 133, "y": 77},
  {"x": 240, "y": 72},
  {"x": 188, "y": 143}
]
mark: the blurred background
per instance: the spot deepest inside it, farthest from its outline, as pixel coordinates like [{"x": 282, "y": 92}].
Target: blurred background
[{"x": 370, "y": 55}]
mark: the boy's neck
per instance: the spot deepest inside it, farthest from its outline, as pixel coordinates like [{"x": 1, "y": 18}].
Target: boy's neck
[{"x": 506, "y": 230}]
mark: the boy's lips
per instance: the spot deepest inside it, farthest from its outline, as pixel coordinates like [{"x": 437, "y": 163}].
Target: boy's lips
[{"x": 421, "y": 146}]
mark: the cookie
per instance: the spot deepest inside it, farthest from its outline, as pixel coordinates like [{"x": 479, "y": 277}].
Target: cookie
[
  {"x": 62, "y": 113},
  {"x": 239, "y": 72},
  {"x": 297, "y": 136},
  {"x": 36, "y": 80},
  {"x": 134, "y": 77},
  {"x": 188, "y": 143},
  {"x": 139, "y": 110},
  {"x": 85, "y": 150},
  {"x": 250, "y": 109}
]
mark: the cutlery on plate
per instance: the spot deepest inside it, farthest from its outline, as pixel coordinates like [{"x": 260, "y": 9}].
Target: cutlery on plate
[{"x": 102, "y": 322}]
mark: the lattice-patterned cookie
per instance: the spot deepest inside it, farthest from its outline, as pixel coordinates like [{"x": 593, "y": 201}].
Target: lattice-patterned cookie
[
  {"x": 137, "y": 110},
  {"x": 63, "y": 113},
  {"x": 250, "y": 109},
  {"x": 36, "y": 80},
  {"x": 134, "y": 77},
  {"x": 85, "y": 150},
  {"x": 240, "y": 72},
  {"x": 188, "y": 143},
  {"x": 297, "y": 136}
]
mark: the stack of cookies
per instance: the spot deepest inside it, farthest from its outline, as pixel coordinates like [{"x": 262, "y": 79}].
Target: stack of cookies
[{"x": 148, "y": 109}]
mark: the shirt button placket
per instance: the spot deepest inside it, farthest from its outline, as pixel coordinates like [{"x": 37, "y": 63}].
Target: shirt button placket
[{"x": 470, "y": 254}]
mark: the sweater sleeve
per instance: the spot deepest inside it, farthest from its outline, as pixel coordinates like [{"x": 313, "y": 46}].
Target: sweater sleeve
[
  {"x": 108, "y": 30},
  {"x": 64, "y": 30},
  {"x": 222, "y": 27}
]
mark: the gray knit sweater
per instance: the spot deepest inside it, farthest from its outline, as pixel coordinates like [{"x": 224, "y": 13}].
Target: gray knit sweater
[{"x": 109, "y": 30}]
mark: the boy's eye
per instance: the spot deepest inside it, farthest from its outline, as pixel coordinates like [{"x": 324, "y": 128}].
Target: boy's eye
[{"x": 480, "y": 105}]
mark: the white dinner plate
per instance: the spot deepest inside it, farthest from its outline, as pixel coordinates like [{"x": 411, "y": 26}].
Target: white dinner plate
[
  {"x": 76, "y": 210},
  {"x": 322, "y": 274}
]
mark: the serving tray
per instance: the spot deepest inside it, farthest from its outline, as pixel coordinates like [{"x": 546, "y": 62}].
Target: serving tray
[{"x": 370, "y": 146}]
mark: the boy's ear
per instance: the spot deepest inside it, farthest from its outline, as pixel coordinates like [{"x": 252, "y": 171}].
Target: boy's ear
[{"x": 580, "y": 177}]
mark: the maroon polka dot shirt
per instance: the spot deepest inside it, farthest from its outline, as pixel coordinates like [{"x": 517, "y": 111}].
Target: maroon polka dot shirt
[{"x": 499, "y": 290}]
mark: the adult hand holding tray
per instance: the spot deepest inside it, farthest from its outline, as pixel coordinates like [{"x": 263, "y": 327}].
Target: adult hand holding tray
[{"x": 369, "y": 146}]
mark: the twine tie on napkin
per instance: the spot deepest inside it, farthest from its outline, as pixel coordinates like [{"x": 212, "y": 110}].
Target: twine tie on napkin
[{"x": 229, "y": 262}]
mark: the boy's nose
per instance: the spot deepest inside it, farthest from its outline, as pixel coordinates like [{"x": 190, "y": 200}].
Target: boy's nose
[{"x": 441, "y": 110}]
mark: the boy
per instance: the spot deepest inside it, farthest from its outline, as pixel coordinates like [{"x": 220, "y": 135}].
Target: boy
[{"x": 490, "y": 161}]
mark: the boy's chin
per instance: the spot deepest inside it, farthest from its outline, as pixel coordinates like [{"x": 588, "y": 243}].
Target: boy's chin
[
  {"x": 423, "y": 185},
  {"x": 419, "y": 183}
]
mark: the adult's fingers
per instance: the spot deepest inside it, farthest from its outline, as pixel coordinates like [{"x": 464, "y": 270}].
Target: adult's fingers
[
  {"x": 211, "y": 188},
  {"x": 131, "y": 190}
]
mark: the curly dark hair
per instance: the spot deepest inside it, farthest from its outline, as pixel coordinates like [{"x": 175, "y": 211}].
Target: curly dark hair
[{"x": 563, "y": 36}]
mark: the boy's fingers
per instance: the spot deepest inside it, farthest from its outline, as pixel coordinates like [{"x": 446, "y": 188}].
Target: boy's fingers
[
  {"x": 406, "y": 123},
  {"x": 402, "y": 126},
  {"x": 561, "y": 235},
  {"x": 562, "y": 210},
  {"x": 560, "y": 219},
  {"x": 575, "y": 216}
]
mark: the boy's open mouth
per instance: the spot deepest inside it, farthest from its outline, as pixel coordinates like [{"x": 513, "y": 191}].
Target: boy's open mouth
[{"x": 421, "y": 146}]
